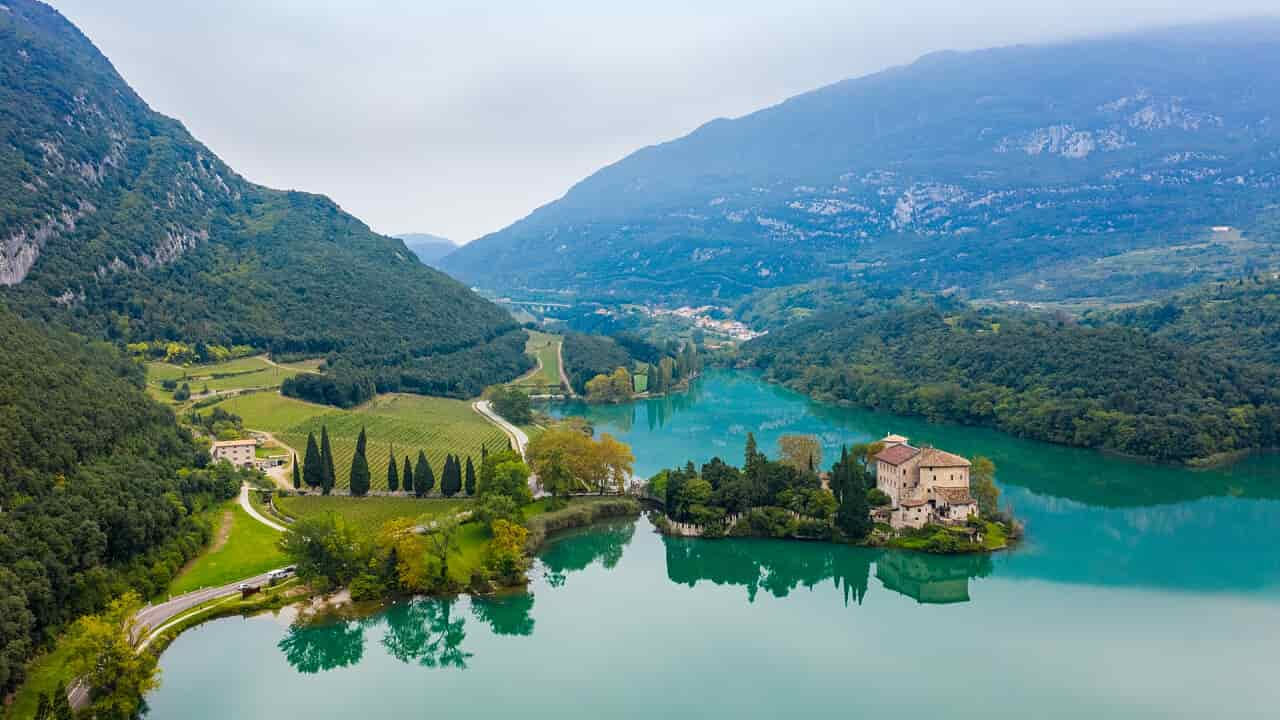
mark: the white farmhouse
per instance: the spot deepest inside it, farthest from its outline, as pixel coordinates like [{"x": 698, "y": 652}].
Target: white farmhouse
[
  {"x": 924, "y": 485},
  {"x": 240, "y": 453}
]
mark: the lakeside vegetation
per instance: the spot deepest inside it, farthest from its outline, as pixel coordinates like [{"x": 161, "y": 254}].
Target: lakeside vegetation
[
  {"x": 618, "y": 368},
  {"x": 787, "y": 498},
  {"x": 1109, "y": 387}
]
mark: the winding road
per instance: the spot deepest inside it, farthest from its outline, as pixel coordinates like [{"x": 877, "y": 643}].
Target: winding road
[{"x": 517, "y": 436}]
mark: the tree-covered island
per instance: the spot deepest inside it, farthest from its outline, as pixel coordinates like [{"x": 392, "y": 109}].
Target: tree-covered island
[{"x": 887, "y": 493}]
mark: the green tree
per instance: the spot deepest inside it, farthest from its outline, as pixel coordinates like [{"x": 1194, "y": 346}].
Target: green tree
[
  {"x": 424, "y": 478},
  {"x": 60, "y": 707},
  {"x": 555, "y": 477},
  {"x": 297, "y": 476},
  {"x": 326, "y": 551},
  {"x": 326, "y": 456},
  {"x": 360, "y": 467},
  {"x": 446, "y": 478},
  {"x": 393, "y": 476},
  {"x": 982, "y": 483},
  {"x": 470, "y": 483},
  {"x": 442, "y": 540},
  {"x": 103, "y": 656},
  {"x": 853, "y": 517},
  {"x": 410, "y": 483},
  {"x": 313, "y": 470}
]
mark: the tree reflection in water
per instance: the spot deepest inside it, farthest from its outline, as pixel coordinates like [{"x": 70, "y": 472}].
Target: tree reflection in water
[
  {"x": 508, "y": 615},
  {"x": 323, "y": 646},
  {"x": 779, "y": 567},
  {"x": 577, "y": 550},
  {"x": 425, "y": 632}
]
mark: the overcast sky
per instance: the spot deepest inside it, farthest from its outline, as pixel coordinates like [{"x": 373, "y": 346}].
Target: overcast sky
[{"x": 459, "y": 118}]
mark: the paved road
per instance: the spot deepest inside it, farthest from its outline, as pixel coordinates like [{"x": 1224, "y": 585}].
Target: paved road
[
  {"x": 518, "y": 437},
  {"x": 253, "y": 512}
]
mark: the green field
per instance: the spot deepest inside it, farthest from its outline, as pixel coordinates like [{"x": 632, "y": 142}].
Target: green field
[
  {"x": 408, "y": 422},
  {"x": 369, "y": 513},
  {"x": 249, "y": 372},
  {"x": 250, "y": 549},
  {"x": 544, "y": 348}
]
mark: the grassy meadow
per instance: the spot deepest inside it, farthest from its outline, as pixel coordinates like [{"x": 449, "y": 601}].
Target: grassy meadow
[
  {"x": 408, "y": 423},
  {"x": 543, "y": 347},
  {"x": 248, "y": 372},
  {"x": 369, "y": 513},
  {"x": 244, "y": 549}
]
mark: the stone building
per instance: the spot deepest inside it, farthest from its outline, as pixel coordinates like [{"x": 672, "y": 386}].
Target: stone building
[
  {"x": 240, "y": 453},
  {"x": 924, "y": 485}
]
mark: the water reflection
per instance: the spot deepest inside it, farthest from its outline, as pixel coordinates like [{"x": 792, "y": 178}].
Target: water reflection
[
  {"x": 507, "y": 615},
  {"x": 779, "y": 567},
  {"x": 425, "y": 631},
  {"x": 313, "y": 648},
  {"x": 931, "y": 579},
  {"x": 577, "y": 550}
]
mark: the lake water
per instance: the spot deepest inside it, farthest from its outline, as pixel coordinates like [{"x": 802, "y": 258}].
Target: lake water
[{"x": 1141, "y": 591}]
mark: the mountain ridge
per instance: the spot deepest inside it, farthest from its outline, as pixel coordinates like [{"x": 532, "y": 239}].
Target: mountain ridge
[
  {"x": 119, "y": 223},
  {"x": 1002, "y": 167}
]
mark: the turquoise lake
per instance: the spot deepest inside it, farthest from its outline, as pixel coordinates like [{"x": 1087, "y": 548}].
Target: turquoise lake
[{"x": 1142, "y": 591}]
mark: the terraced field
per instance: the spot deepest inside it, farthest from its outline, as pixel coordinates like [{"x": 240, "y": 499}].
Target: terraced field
[
  {"x": 250, "y": 372},
  {"x": 408, "y": 423}
]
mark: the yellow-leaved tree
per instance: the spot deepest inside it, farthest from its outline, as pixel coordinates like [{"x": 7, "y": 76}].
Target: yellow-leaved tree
[{"x": 103, "y": 657}]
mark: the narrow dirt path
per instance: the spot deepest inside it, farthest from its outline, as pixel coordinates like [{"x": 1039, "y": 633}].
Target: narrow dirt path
[
  {"x": 564, "y": 379},
  {"x": 253, "y": 512}
]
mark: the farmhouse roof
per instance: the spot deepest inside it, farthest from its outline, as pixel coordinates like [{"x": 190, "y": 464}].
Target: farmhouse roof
[
  {"x": 233, "y": 443},
  {"x": 933, "y": 457},
  {"x": 891, "y": 439},
  {"x": 896, "y": 454}
]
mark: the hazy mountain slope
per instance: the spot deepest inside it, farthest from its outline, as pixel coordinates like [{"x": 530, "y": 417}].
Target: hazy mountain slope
[
  {"x": 999, "y": 170},
  {"x": 429, "y": 248},
  {"x": 112, "y": 215}
]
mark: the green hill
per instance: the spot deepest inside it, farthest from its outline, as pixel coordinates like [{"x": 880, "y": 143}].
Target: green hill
[
  {"x": 92, "y": 500},
  {"x": 114, "y": 218}
]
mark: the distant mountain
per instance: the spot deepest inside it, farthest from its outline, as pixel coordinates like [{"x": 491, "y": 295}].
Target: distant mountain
[
  {"x": 1087, "y": 168},
  {"x": 114, "y": 219},
  {"x": 429, "y": 248}
]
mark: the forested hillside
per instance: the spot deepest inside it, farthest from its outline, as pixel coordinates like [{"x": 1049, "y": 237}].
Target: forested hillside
[
  {"x": 1238, "y": 320},
  {"x": 114, "y": 218},
  {"x": 1107, "y": 387},
  {"x": 1083, "y": 169},
  {"x": 94, "y": 499}
]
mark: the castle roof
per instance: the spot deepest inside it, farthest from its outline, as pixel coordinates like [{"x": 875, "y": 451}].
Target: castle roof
[
  {"x": 933, "y": 457},
  {"x": 953, "y": 496},
  {"x": 896, "y": 454}
]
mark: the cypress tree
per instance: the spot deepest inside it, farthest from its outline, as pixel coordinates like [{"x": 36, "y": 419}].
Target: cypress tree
[
  {"x": 853, "y": 517},
  {"x": 423, "y": 478},
  {"x": 393, "y": 477},
  {"x": 471, "y": 477},
  {"x": 447, "y": 486},
  {"x": 408, "y": 475},
  {"x": 360, "y": 468},
  {"x": 43, "y": 710},
  {"x": 330, "y": 476},
  {"x": 61, "y": 706},
  {"x": 297, "y": 477},
  {"x": 313, "y": 470}
]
